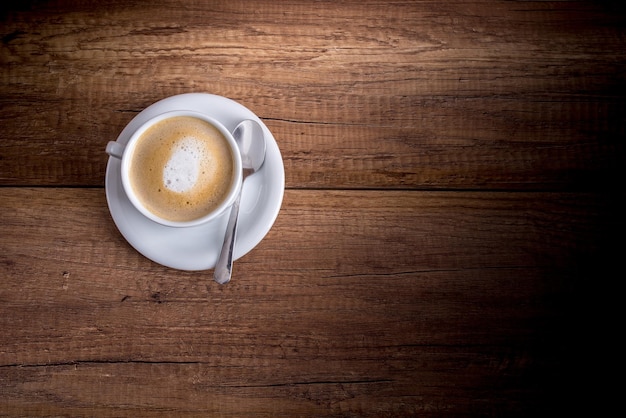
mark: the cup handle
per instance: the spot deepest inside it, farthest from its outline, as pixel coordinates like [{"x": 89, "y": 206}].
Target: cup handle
[{"x": 115, "y": 149}]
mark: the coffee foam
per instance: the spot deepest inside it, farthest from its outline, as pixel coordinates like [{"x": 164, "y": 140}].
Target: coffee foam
[
  {"x": 182, "y": 168},
  {"x": 181, "y": 171}
]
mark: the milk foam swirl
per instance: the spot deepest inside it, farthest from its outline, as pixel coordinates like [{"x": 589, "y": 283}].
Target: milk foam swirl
[{"x": 180, "y": 173}]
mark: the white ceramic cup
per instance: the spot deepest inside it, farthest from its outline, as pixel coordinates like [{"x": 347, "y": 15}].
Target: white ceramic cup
[{"x": 125, "y": 154}]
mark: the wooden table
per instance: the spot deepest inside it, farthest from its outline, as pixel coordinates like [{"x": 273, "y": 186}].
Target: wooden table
[{"x": 444, "y": 246}]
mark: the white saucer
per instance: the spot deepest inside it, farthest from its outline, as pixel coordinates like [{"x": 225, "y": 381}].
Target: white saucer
[{"x": 197, "y": 248}]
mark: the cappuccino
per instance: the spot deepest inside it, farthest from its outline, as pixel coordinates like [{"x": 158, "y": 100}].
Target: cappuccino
[{"x": 181, "y": 168}]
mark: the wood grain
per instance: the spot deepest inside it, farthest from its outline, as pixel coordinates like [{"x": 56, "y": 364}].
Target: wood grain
[
  {"x": 413, "y": 305},
  {"x": 489, "y": 95}
]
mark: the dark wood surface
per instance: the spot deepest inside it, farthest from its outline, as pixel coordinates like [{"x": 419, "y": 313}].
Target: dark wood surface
[{"x": 445, "y": 246}]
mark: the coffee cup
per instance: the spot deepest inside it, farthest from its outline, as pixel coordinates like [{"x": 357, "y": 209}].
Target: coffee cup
[{"x": 180, "y": 168}]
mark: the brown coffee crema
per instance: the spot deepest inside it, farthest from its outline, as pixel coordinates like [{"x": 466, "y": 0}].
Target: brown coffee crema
[{"x": 181, "y": 168}]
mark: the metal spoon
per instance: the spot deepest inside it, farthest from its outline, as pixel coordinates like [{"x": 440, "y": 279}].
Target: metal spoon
[{"x": 251, "y": 142}]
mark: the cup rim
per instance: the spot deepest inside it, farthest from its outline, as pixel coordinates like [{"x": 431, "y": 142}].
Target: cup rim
[{"x": 235, "y": 182}]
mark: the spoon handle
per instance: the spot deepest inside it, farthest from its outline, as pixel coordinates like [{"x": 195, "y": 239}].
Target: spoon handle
[{"x": 224, "y": 266}]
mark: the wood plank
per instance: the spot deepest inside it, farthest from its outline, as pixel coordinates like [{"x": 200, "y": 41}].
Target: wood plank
[
  {"x": 480, "y": 95},
  {"x": 355, "y": 303}
]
